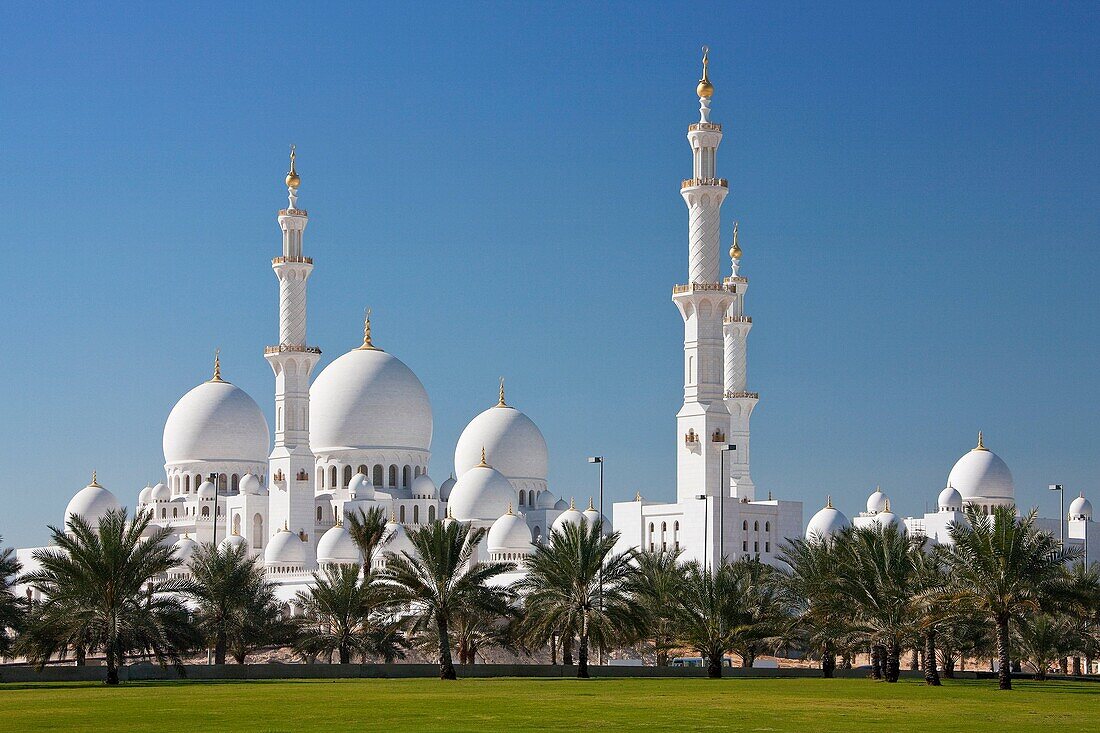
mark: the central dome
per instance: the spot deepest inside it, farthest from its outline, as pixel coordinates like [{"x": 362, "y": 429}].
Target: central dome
[
  {"x": 981, "y": 474},
  {"x": 368, "y": 399},
  {"x": 216, "y": 421},
  {"x": 511, "y": 439}
]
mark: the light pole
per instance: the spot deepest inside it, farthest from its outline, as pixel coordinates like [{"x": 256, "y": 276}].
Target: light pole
[
  {"x": 706, "y": 526},
  {"x": 1061, "y": 513},
  {"x": 214, "y": 482},
  {"x": 599, "y": 460},
  {"x": 722, "y": 500}
]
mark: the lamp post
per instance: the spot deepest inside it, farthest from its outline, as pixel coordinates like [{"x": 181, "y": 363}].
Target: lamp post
[
  {"x": 1061, "y": 513},
  {"x": 599, "y": 460},
  {"x": 722, "y": 500},
  {"x": 706, "y": 526},
  {"x": 214, "y": 482}
]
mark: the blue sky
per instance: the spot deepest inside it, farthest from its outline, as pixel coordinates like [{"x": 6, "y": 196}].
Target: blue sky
[{"x": 917, "y": 189}]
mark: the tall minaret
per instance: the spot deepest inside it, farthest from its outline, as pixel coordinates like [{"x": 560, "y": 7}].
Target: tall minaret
[
  {"x": 703, "y": 420},
  {"x": 735, "y": 328},
  {"x": 291, "y": 463}
]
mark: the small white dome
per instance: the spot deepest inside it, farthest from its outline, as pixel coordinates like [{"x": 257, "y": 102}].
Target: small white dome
[
  {"x": 546, "y": 500},
  {"x": 206, "y": 490},
  {"x": 481, "y": 493},
  {"x": 449, "y": 519},
  {"x": 286, "y": 548},
  {"x": 216, "y": 421},
  {"x": 981, "y": 474},
  {"x": 92, "y": 504},
  {"x": 950, "y": 500},
  {"x": 250, "y": 484},
  {"x": 509, "y": 534},
  {"x": 561, "y": 505},
  {"x": 360, "y": 487},
  {"x": 877, "y": 502},
  {"x": 423, "y": 485},
  {"x": 161, "y": 492},
  {"x": 145, "y": 496},
  {"x": 888, "y": 518},
  {"x": 234, "y": 540},
  {"x": 513, "y": 442},
  {"x": 368, "y": 399},
  {"x": 570, "y": 516},
  {"x": 185, "y": 547},
  {"x": 826, "y": 523},
  {"x": 337, "y": 546},
  {"x": 592, "y": 514},
  {"x": 445, "y": 489},
  {"x": 397, "y": 539},
  {"x": 1080, "y": 508}
]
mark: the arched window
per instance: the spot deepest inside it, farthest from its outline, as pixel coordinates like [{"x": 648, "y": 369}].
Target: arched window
[
  {"x": 756, "y": 526},
  {"x": 745, "y": 525},
  {"x": 402, "y": 514},
  {"x": 205, "y": 512},
  {"x": 431, "y": 514},
  {"x": 767, "y": 526},
  {"x": 332, "y": 476},
  {"x": 236, "y": 524},
  {"x": 363, "y": 470},
  {"x": 406, "y": 476},
  {"x": 347, "y": 476},
  {"x": 236, "y": 483},
  {"x": 257, "y": 531},
  {"x": 393, "y": 475},
  {"x": 319, "y": 514},
  {"x": 756, "y": 547},
  {"x": 378, "y": 475},
  {"x": 321, "y": 479},
  {"x": 767, "y": 547},
  {"x": 175, "y": 513},
  {"x": 197, "y": 482},
  {"x": 416, "y": 514},
  {"x": 223, "y": 482},
  {"x": 187, "y": 484},
  {"x": 163, "y": 513},
  {"x": 522, "y": 497}
]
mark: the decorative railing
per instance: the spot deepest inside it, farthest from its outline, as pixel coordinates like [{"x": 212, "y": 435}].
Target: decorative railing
[
  {"x": 291, "y": 347},
  {"x": 293, "y": 212},
  {"x": 737, "y": 319},
  {"x": 705, "y": 127},
  {"x": 302, "y": 260},
  {"x": 734, "y": 395},
  {"x": 736, "y": 279},
  {"x": 695, "y": 287},
  {"x": 689, "y": 182}
]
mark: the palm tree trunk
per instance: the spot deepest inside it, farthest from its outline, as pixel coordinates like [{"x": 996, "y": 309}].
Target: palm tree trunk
[
  {"x": 112, "y": 664},
  {"x": 446, "y": 666},
  {"x": 931, "y": 676},
  {"x": 714, "y": 664},
  {"x": 1004, "y": 673},
  {"x": 828, "y": 661},
  {"x": 949, "y": 664},
  {"x": 553, "y": 650},
  {"x": 582, "y": 666},
  {"x": 219, "y": 646},
  {"x": 81, "y": 655},
  {"x": 567, "y": 650},
  {"x": 345, "y": 652},
  {"x": 893, "y": 662},
  {"x": 877, "y": 654}
]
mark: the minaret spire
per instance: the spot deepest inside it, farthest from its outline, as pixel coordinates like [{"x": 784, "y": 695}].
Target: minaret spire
[
  {"x": 368, "y": 345},
  {"x": 217, "y": 367},
  {"x": 501, "y": 402}
]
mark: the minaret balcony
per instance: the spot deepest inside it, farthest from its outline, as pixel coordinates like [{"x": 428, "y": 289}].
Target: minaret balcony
[
  {"x": 737, "y": 395},
  {"x": 293, "y": 212},
  {"x": 705, "y": 127},
  {"x": 691, "y": 182},
  {"x": 299, "y": 260},
  {"x": 291, "y": 347},
  {"x": 702, "y": 287},
  {"x": 737, "y": 319}
]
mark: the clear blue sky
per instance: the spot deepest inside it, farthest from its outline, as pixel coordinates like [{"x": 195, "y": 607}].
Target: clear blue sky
[{"x": 917, "y": 189}]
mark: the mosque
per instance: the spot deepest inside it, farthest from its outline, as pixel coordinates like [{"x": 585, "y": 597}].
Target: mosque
[{"x": 359, "y": 434}]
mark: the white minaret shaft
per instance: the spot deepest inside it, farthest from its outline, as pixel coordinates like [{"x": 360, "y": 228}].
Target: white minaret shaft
[
  {"x": 740, "y": 403},
  {"x": 292, "y": 361},
  {"x": 703, "y": 421}
]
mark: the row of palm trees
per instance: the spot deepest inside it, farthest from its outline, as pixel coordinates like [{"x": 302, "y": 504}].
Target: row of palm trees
[{"x": 1002, "y": 588}]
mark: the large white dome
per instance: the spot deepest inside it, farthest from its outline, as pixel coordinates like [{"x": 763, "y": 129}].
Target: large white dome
[
  {"x": 481, "y": 493},
  {"x": 91, "y": 504},
  {"x": 826, "y": 523},
  {"x": 216, "y": 421},
  {"x": 368, "y": 399},
  {"x": 981, "y": 474},
  {"x": 337, "y": 546},
  {"x": 514, "y": 444}
]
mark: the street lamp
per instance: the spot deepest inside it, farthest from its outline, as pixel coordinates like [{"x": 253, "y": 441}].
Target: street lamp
[
  {"x": 1061, "y": 513},
  {"x": 599, "y": 460},
  {"x": 706, "y": 526},
  {"x": 214, "y": 482},
  {"x": 722, "y": 500}
]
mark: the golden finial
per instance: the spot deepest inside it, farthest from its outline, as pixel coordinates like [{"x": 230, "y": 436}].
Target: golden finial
[
  {"x": 705, "y": 88},
  {"x": 393, "y": 515},
  {"x": 217, "y": 366},
  {"x": 829, "y": 501},
  {"x": 509, "y": 508},
  {"x": 293, "y": 180},
  {"x": 483, "y": 463},
  {"x": 286, "y": 526},
  {"x": 637, "y": 496},
  {"x": 591, "y": 507},
  {"x": 94, "y": 482},
  {"x": 502, "y": 403},
  {"x": 368, "y": 345},
  {"x": 572, "y": 503},
  {"x": 235, "y": 532},
  {"x": 981, "y": 444},
  {"x": 735, "y": 250},
  {"x": 887, "y": 503}
]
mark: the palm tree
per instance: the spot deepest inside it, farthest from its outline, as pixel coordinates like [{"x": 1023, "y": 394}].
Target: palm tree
[
  {"x": 1043, "y": 639},
  {"x": 105, "y": 588},
  {"x": 1005, "y": 569},
  {"x": 228, "y": 586},
  {"x": 12, "y": 609},
  {"x": 1083, "y": 606},
  {"x": 265, "y": 625},
  {"x": 442, "y": 578},
  {"x": 342, "y": 613},
  {"x": 576, "y": 585},
  {"x": 963, "y": 636},
  {"x": 765, "y": 615},
  {"x": 813, "y": 591},
  {"x": 708, "y": 612},
  {"x": 368, "y": 531},
  {"x": 659, "y": 579}
]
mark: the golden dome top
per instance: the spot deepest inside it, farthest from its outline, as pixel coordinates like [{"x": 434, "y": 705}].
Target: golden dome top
[
  {"x": 735, "y": 250},
  {"x": 705, "y": 88},
  {"x": 293, "y": 180}
]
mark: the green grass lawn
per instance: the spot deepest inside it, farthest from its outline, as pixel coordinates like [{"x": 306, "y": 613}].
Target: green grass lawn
[{"x": 551, "y": 704}]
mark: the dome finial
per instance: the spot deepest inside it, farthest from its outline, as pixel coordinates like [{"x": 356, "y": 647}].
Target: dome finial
[
  {"x": 572, "y": 502},
  {"x": 591, "y": 506},
  {"x": 637, "y": 496},
  {"x": 509, "y": 512},
  {"x": 483, "y": 463},
  {"x": 94, "y": 482},
  {"x": 887, "y": 503},
  {"x": 368, "y": 345},
  {"x": 293, "y": 180},
  {"x": 705, "y": 89},
  {"x": 735, "y": 248},
  {"x": 502, "y": 403},
  {"x": 981, "y": 442},
  {"x": 217, "y": 367},
  {"x": 286, "y": 526},
  {"x": 828, "y": 501}
]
